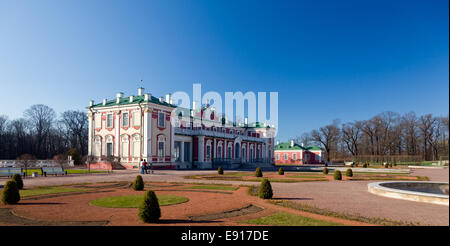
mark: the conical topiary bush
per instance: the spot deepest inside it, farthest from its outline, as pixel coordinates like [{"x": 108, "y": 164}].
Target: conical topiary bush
[
  {"x": 265, "y": 190},
  {"x": 337, "y": 175},
  {"x": 149, "y": 210},
  {"x": 349, "y": 173},
  {"x": 258, "y": 172},
  {"x": 138, "y": 183},
  {"x": 325, "y": 170},
  {"x": 220, "y": 170},
  {"x": 281, "y": 171},
  {"x": 19, "y": 181},
  {"x": 10, "y": 193}
]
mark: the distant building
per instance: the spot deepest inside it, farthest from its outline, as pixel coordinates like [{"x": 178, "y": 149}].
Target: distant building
[
  {"x": 132, "y": 128},
  {"x": 292, "y": 153}
]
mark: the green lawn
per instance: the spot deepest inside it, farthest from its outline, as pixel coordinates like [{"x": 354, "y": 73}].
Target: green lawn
[
  {"x": 286, "y": 219},
  {"x": 69, "y": 171},
  {"x": 136, "y": 200},
  {"x": 48, "y": 190},
  {"x": 212, "y": 187}
]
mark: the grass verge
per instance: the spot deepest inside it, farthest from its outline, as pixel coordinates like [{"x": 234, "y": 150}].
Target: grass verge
[
  {"x": 355, "y": 217},
  {"x": 287, "y": 219}
]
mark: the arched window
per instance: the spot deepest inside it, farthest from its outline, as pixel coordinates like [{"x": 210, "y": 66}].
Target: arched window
[
  {"x": 237, "y": 148},
  {"x": 161, "y": 145}
]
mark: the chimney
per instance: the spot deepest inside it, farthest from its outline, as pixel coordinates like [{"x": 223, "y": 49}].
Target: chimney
[
  {"x": 302, "y": 144},
  {"x": 91, "y": 103},
  {"x": 118, "y": 96},
  {"x": 246, "y": 121},
  {"x": 146, "y": 96},
  {"x": 171, "y": 101},
  {"x": 160, "y": 99},
  {"x": 292, "y": 143},
  {"x": 131, "y": 99},
  {"x": 168, "y": 98},
  {"x": 194, "y": 105},
  {"x": 278, "y": 142},
  {"x": 140, "y": 91},
  {"x": 104, "y": 101}
]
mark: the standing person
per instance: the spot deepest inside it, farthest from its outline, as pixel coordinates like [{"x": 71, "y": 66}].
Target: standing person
[
  {"x": 144, "y": 165},
  {"x": 141, "y": 166}
]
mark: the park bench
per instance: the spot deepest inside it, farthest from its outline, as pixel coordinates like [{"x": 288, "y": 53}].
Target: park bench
[
  {"x": 10, "y": 171},
  {"x": 53, "y": 170}
]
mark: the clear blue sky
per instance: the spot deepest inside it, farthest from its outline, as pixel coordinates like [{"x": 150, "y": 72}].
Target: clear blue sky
[{"x": 326, "y": 59}]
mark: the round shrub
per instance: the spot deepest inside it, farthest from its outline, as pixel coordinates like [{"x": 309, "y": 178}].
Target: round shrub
[
  {"x": 220, "y": 170},
  {"x": 19, "y": 181},
  {"x": 265, "y": 190},
  {"x": 349, "y": 173},
  {"x": 138, "y": 183},
  {"x": 365, "y": 165},
  {"x": 149, "y": 210},
  {"x": 337, "y": 175},
  {"x": 325, "y": 170},
  {"x": 258, "y": 172},
  {"x": 386, "y": 165},
  {"x": 280, "y": 171},
  {"x": 390, "y": 164},
  {"x": 10, "y": 193}
]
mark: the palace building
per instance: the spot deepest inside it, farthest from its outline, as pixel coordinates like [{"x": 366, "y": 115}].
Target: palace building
[
  {"x": 291, "y": 153},
  {"x": 125, "y": 130}
]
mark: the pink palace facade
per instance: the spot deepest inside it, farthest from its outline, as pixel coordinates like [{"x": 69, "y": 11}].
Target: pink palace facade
[{"x": 128, "y": 129}]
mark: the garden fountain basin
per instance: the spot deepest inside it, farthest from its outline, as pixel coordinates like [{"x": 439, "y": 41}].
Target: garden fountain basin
[{"x": 419, "y": 191}]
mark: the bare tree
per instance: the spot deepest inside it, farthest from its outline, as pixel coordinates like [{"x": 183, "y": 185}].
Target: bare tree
[
  {"x": 77, "y": 126},
  {"x": 26, "y": 160},
  {"x": 351, "y": 132},
  {"x": 41, "y": 117},
  {"x": 328, "y": 137}
]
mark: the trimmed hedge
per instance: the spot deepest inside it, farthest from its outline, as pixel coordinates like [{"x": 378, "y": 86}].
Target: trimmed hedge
[
  {"x": 349, "y": 173},
  {"x": 220, "y": 170},
  {"x": 325, "y": 170},
  {"x": 10, "y": 193},
  {"x": 265, "y": 190},
  {"x": 337, "y": 175},
  {"x": 149, "y": 210},
  {"x": 281, "y": 171},
  {"x": 258, "y": 172},
  {"x": 138, "y": 183},
  {"x": 19, "y": 181}
]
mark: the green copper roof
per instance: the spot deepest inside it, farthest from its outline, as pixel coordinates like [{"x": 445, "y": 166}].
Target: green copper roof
[
  {"x": 126, "y": 101},
  {"x": 287, "y": 146}
]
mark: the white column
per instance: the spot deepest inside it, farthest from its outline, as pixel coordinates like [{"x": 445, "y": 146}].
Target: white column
[
  {"x": 117, "y": 137},
  {"x": 146, "y": 124},
  {"x": 181, "y": 151},
  {"x": 172, "y": 142},
  {"x": 201, "y": 149},
  {"x": 91, "y": 128}
]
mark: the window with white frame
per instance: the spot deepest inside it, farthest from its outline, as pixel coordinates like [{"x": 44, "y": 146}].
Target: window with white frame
[
  {"x": 286, "y": 157},
  {"x": 278, "y": 157},
  {"x": 294, "y": 156},
  {"x": 161, "y": 119},
  {"x": 125, "y": 119},
  {"x": 161, "y": 148},
  {"x": 109, "y": 120}
]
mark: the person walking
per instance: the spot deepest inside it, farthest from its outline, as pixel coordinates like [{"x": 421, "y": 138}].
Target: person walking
[
  {"x": 141, "y": 166},
  {"x": 144, "y": 165}
]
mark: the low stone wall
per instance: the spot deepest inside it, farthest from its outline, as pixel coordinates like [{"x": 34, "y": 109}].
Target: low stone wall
[{"x": 413, "y": 191}]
